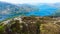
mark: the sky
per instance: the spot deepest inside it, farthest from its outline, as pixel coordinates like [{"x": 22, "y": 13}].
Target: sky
[{"x": 30, "y": 1}]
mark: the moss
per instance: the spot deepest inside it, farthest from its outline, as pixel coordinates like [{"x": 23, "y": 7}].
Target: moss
[{"x": 1, "y": 28}]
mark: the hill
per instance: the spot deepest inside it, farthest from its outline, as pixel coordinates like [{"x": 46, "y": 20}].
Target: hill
[{"x": 26, "y": 25}]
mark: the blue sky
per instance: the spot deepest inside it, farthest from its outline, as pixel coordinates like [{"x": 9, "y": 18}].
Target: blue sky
[{"x": 31, "y": 1}]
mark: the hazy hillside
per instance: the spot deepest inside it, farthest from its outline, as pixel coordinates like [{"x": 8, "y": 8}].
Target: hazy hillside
[{"x": 8, "y": 10}]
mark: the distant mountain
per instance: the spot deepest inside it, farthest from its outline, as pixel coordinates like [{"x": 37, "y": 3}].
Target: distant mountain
[
  {"x": 8, "y": 10},
  {"x": 46, "y": 9},
  {"x": 56, "y": 5},
  {"x": 56, "y": 14}
]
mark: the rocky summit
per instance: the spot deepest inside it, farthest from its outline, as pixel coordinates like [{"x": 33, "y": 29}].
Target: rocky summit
[{"x": 30, "y": 25}]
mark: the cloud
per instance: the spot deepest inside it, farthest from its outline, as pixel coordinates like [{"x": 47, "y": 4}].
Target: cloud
[{"x": 31, "y": 1}]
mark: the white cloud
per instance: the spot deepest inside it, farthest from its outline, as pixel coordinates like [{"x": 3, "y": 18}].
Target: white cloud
[{"x": 31, "y": 1}]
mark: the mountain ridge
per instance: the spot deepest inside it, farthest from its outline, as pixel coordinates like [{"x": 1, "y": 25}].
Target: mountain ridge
[{"x": 9, "y": 10}]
